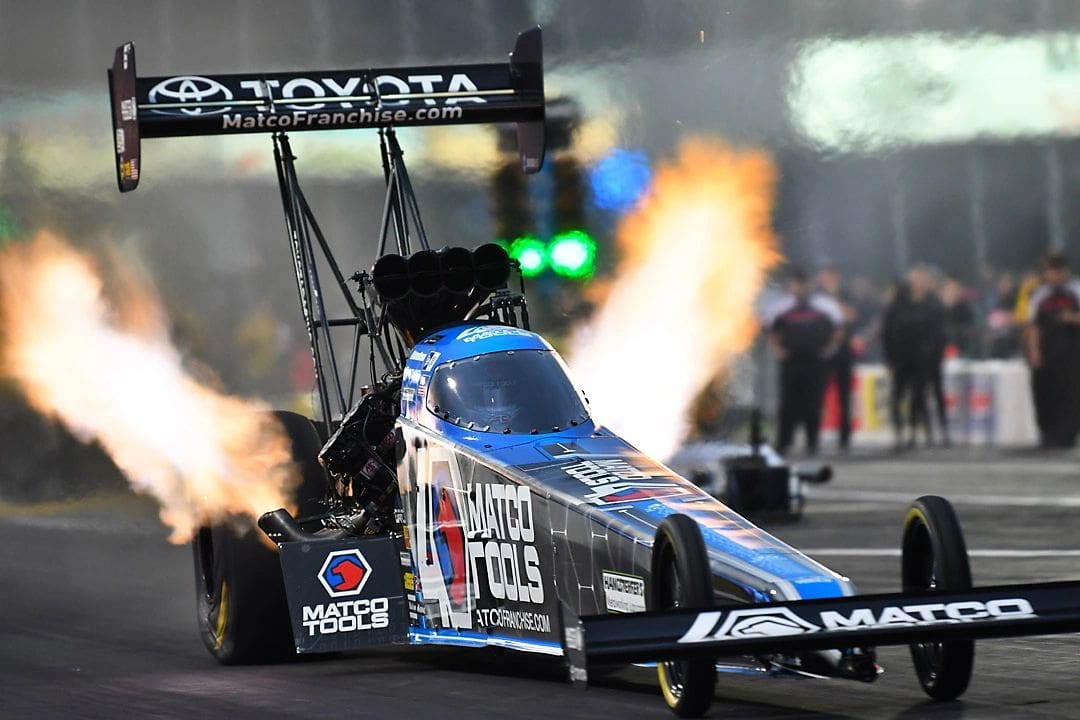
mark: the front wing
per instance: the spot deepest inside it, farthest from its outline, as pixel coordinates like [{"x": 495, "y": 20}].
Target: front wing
[{"x": 842, "y": 622}]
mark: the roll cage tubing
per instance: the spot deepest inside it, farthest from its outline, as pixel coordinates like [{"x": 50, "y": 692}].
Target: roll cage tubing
[{"x": 400, "y": 217}]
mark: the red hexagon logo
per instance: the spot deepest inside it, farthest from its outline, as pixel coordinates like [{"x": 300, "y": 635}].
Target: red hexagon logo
[{"x": 344, "y": 573}]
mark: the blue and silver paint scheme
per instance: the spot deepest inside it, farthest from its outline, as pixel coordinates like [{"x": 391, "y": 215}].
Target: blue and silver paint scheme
[{"x": 580, "y": 504}]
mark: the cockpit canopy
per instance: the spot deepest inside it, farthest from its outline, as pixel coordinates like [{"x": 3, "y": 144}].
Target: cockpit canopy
[{"x": 518, "y": 392}]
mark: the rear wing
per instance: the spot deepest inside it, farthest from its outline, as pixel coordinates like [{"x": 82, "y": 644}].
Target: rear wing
[{"x": 181, "y": 105}]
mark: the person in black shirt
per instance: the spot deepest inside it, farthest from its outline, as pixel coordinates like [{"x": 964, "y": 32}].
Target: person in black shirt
[
  {"x": 1053, "y": 350},
  {"x": 912, "y": 336},
  {"x": 841, "y": 366},
  {"x": 804, "y": 331},
  {"x": 957, "y": 339}
]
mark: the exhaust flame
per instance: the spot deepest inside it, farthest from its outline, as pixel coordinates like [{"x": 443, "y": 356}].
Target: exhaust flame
[
  {"x": 108, "y": 371},
  {"x": 694, "y": 254}
]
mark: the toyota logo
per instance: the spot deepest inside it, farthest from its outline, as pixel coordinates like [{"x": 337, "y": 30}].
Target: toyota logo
[{"x": 190, "y": 89}]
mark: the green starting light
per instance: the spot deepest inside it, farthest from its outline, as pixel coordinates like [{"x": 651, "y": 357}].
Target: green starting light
[
  {"x": 529, "y": 252},
  {"x": 572, "y": 254}
]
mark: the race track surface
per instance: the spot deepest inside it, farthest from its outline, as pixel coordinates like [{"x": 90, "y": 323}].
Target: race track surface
[{"x": 99, "y": 619}]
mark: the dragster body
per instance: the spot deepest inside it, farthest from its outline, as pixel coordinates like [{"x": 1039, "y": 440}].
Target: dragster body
[{"x": 507, "y": 528}]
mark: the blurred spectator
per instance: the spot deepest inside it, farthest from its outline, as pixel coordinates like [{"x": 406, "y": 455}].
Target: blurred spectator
[
  {"x": 958, "y": 338},
  {"x": 868, "y": 300},
  {"x": 804, "y": 332},
  {"x": 961, "y": 331},
  {"x": 912, "y": 336},
  {"x": 1032, "y": 280},
  {"x": 1002, "y": 326},
  {"x": 841, "y": 366},
  {"x": 1053, "y": 350}
]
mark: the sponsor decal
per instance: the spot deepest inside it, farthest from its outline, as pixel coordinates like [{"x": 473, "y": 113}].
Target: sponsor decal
[
  {"x": 502, "y": 531},
  {"x": 563, "y": 449},
  {"x": 344, "y": 573},
  {"x": 782, "y": 621},
  {"x": 754, "y": 622},
  {"x": 623, "y": 593},
  {"x": 334, "y": 99},
  {"x": 928, "y": 614},
  {"x": 616, "y": 481},
  {"x": 513, "y": 620},
  {"x": 190, "y": 89},
  {"x": 475, "y": 544},
  {"x": 346, "y": 616},
  {"x": 371, "y": 467},
  {"x": 302, "y": 119},
  {"x": 450, "y": 544},
  {"x": 432, "y": 358},
  {"x": 417, "y": 356},
  {"x": 130, "y": 169},
  {"x": 410, "y": 582},
  {"x": 128, "y": 109},
  {"x": 574, "y": 637},
  {"x": 120, "y": 145},
  {"x": 486, "y": 332},
  {"x": 444, "y": 570}
]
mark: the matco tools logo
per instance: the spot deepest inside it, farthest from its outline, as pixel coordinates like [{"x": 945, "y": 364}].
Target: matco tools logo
[
  {"x": 344, "y": 573},
  {"x": 781, "y": 621},
  {"x": 750, "y": 623},
  {"x": 191, "y": 89}
]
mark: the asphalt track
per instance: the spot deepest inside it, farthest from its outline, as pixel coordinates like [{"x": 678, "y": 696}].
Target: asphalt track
[{"x": 98, "y": 619}]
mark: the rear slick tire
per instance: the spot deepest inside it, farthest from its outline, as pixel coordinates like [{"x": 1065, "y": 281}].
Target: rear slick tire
[
  {"x": 681, "y": 578},
  {"x": 240, "y": 593},
  {"x": 934, "y": 557}
]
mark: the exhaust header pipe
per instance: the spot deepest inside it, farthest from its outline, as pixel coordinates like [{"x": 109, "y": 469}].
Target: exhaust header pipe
[
  {"x": 456, "y": 270},
  {"x": 431, "y": 288}
]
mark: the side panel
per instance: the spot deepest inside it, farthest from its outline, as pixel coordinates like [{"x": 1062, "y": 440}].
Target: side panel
[
  {"x": 599, "y": 569},
  {"x": 627, "y": 494},
  {"x": 480, "y": 545}
]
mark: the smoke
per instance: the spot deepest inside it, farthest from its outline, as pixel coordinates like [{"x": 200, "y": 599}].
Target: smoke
[
  {"x": 694, "y": 254},
  {"x": 100, "y": 361}
]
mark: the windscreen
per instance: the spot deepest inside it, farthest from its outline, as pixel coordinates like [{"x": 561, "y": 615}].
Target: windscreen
[{"x": 514, "y": 392}]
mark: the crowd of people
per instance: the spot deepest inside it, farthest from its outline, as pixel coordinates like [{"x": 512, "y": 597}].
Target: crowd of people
[{"x": 824, "y": 324}]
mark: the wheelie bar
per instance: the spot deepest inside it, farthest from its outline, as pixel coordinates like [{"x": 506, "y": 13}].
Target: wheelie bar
[{"x": 843, "y": 622}]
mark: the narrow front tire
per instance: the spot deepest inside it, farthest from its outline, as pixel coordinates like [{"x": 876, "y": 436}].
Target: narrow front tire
[
  {"x": 934, "y": 557},
  {"x": 681, "y": 578}
]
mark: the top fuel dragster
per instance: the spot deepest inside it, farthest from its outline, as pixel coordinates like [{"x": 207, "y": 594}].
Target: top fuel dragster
[{"x": 465, "y": 495}]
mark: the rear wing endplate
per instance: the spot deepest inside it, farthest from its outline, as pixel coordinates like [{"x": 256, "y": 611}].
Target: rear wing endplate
[
  {"x": 181, "y": 105},
  {"x": 830, "y": 623}
]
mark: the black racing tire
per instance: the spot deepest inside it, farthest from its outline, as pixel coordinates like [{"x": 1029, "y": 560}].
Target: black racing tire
[
  {"x": 240, "y": 593},
  {"x": 934, "y": 557},
  {"x": 681, "y": 578}
]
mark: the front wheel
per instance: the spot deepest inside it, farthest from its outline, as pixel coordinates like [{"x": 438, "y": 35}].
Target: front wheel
[
  {"x": 934, "y": 557},
  {"x": 681, "y": 578}
]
